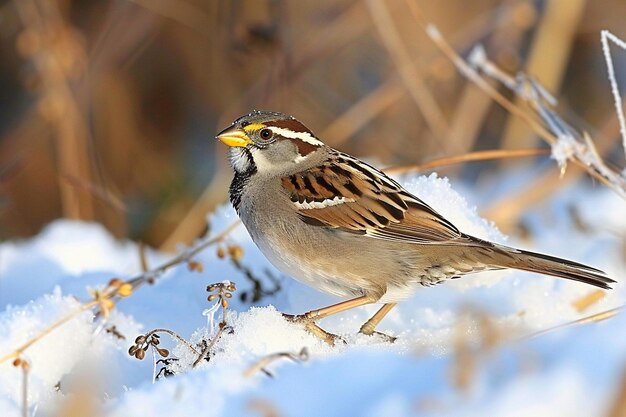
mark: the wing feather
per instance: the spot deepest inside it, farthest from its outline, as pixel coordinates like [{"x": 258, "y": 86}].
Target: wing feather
[{"x": 373, "y": 204}]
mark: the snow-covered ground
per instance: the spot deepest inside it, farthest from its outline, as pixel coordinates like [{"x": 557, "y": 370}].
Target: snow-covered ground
[{"x": 461, "y": 348}]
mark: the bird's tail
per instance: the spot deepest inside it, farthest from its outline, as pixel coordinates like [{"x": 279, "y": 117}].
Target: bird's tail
[
  {"x": 498, "y": 256},
  {"x": 549, "y": 265}
]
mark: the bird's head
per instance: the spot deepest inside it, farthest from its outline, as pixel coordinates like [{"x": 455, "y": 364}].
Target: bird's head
[{"x": 268, "y": 141}]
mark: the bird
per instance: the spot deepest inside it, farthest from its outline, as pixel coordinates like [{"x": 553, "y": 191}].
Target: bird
[{"x": 337, "y": 224}]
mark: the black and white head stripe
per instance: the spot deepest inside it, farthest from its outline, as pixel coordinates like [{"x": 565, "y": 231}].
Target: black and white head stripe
[
  {"x": 295, "y": 131},
  {"x": 292, "y": 129}
]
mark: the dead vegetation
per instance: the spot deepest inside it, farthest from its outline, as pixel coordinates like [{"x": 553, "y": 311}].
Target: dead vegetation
[{"x": 116, "y": 112}]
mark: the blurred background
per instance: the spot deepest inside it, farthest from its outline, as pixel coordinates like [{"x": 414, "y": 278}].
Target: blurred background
[{"x": 108, "y": 109}]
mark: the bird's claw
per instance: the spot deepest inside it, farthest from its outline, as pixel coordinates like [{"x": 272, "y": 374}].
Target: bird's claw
[{"x": 309, "y": 324}]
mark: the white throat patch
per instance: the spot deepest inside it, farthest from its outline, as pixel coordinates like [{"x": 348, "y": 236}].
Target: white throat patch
[{"x": 239, "y": 159}]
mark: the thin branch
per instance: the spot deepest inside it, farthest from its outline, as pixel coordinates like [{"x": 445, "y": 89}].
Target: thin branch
[
  {"x": 113, "y": 293},
  {"x": 601, "y": 316},
  {"x": 25, "y": 368},
  {"x": 182, "y": 12},
  {"x": 598, "y": 171},
  {"x": 18, "y": 351},
  {"x": 183, "y": 257},
  {"x": 412, "y": 79},
  {"x": 174, "y": 335},
  {"x": 209, "y": 346},
  {"x": 143, "y": 259},
  {"x": 260, "y": 366},
  {"x": 468, "y": 157},
  {"x": 605, "y": 36}
]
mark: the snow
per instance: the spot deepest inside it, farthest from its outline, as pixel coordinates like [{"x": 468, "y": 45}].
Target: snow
[
  {"x": 574, "y": 371},
  {"x": 48, "y": 365}
]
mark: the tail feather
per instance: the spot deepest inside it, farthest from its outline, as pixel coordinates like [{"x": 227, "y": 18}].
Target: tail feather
[
  {"x": 498, "y": 256},
  {"x": 557, "y": 267}
]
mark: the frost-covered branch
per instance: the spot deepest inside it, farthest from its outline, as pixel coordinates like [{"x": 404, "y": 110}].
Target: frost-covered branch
[
  {"x": 605, "y": 37},
  {"x": 568, "y": 144},
  {"x": 571, "y": 144}
]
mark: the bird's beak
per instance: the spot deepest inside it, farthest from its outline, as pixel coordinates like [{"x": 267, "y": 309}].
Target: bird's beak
[{"x": 235, "y": 137}]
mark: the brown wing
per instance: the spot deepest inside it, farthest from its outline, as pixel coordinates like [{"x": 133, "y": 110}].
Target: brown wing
[{"x": 352, "y": 196}]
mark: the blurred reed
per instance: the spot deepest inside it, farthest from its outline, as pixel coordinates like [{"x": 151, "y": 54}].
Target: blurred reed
[{"x": 110, "y": 108}]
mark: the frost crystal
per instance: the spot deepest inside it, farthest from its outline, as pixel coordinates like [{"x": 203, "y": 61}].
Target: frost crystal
[{"x": 605, "y": 36}]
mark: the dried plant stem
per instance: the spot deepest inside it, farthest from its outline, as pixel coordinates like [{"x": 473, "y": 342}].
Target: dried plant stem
[
  {"x": 209, "y": 346},
  {"x": 25, "y": 368},
  {"x": 601, "y": 316},
  {"x": 547, "y": 58},
  {"x": 134, "y": 282},
  {"x": 183, "y": 257},
  {"x": 507, "y": 211},
  {"x": 182, "y": 12},
  {"x": 434, "y": 34},
  {"x": 17, "y": 352},
  {"x": 195, "y": 220},
  {"x": 392, "y": 90},
  {"x": 468, "y": 157},
  {"x": 142, "y": 257},
  {"x": 62, "y": 109},
  {"x": 301, "y": 356},
  {"x": 360, "y": 113},
  {"x": 605, "y": 36},
  {"x": 174, "y": 335},
  {"x": 618, "y": 408},
  {"x": 410, "y": 76}
]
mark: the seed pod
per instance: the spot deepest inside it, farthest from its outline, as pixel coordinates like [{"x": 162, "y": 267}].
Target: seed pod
[
  {"x": 212, "y": 297},
  {"x": 17, "y": 362},
  {"x": 224, "y": 303},
  {"x": 235, "y": 252},
  {"x": 221, "y": 252},
  {"x": 132, "y": 350},
  {"x": 228, "y": 295},
  {"x": 140, "y": 340},
  {"x": 116, "y": 283},
  {"x": 163, "y": 352},
  {"x": 125, "y": 289},
  {"x": 195, "y": 266},
  {"x": 140, "y": 354}
]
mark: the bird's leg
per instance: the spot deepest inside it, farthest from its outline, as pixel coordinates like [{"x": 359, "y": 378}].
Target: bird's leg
[
  {"x": 308, "y": 319},
  {"x": 369, "y": 326}
]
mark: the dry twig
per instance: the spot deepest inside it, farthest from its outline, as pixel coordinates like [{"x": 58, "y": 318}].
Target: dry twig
[
  {"x": 468, "y": 157},
  {"x": 601, "y": 316},
  {"x": 260, "y": 366},
  {"x": 412, "y": 79},
  {"x": 117, "y": 289},
  {"x": 583, "y": 151}
]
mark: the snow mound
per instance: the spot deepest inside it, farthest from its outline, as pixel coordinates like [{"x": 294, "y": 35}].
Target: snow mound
[{"x": 484, "y": 313}]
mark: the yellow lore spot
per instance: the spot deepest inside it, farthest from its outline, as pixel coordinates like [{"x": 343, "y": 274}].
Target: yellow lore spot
[{"x": 253, "y": 127}]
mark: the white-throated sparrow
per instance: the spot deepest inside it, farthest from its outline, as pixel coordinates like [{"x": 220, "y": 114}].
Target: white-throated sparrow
[{"x": 339, "y": 225}]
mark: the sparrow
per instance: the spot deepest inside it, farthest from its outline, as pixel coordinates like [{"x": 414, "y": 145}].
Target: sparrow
[{"x": 337, "y": 224}]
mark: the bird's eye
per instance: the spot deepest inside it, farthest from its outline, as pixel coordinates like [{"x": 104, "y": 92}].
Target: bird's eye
[{"x": 265, "y": 134}]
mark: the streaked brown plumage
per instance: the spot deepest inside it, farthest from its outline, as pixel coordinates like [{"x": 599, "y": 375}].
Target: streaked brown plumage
[{"x": 344, "y": 227}]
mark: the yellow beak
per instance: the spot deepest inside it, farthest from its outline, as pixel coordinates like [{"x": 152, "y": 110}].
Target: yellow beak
[{"x": 234, "y": 137}]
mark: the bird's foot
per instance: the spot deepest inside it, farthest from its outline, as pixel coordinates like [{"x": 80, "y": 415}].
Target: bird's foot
[
  {"x": 314, "y": 329},
  {"x": 369, "y": 331},
  {"x": 385, "y": 337}
]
